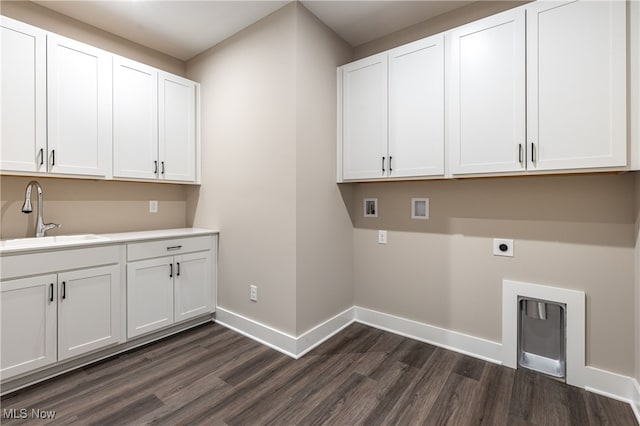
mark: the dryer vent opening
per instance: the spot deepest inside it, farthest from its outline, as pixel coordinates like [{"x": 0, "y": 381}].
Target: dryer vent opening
[{"x": 542, "y": 336}]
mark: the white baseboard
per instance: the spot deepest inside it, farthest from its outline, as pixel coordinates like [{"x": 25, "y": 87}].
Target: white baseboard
[
  {"x": 612, "y": 385},
  {"x": 294, "y": 347},
  {"x": 635, "y": 402},
  {"x": 458, "y": 342},
  {"x": 275, "y": 339},
  {"x": 615, "y": 386},
  {"x": 609, "y": 384},
  {"x": 318, "y": 334}
]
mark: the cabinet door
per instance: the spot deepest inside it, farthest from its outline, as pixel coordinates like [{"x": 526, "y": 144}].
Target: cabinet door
[
  {"x": 193, "y": 285},
  {"x": 28, "y": 327},
  {"x": 486, "y": 97},
  {"x": 149, "y": 295},
  {"x": 23, "y": 101},
  {"x": 576, "y": 84},
  {"x": 88, "y": 310},
  {"x": 135, "y": 120},
  {"x": 177, "y": 133},
  {"x": 364, "y": 118},
  {"x": 79, "y": 107},
  {"x": 416, "y": 109}
]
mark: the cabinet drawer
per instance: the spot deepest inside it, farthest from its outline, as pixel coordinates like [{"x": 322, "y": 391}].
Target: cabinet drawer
[
  {"x": 58, "y": 260},
  {"x": 170, "y": 247}
]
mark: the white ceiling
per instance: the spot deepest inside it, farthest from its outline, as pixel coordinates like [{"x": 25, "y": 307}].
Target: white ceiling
[
  {"x": 183, "y": 29},
  {"x": 361, "y": 21}
]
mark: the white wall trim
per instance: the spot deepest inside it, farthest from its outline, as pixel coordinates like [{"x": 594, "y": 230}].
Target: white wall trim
[
  {"x": 455, "y": 341},
  {"x": 295, "y": 347},
  {"x": 321, "y": 332},
  {"x": 269, "y": 336},
  {"x": 635, "y": 401},
  {"x": 575, "y": 326},
  {"x": 611, "y": 385},
  {"x": 616, "y": 386}
]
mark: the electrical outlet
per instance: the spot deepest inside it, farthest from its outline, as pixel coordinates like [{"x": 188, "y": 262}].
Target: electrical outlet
[
  {"x": 253, "y": 293},
  {"x": 502, "y": 247},
  {"x": 153, "y": 206},
  {"x": 382, "y": 237}
]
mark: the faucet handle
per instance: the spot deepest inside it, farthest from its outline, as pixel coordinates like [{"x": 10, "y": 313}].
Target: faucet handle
[{"x": 48, "y": 226}]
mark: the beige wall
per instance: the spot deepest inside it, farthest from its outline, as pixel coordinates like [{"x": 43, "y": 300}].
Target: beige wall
[
  {"x": 455, "y": 18},
  {"x": 575, "y": 232},
  {"x": 324, "y": 233},
  {"x": 86, "y": 206},
  {"x": 55, "y": 22},
  {"x": 268, "y": 131},
  {"x": 248, "y": 110},
  {"x": 569, "y": 231}
]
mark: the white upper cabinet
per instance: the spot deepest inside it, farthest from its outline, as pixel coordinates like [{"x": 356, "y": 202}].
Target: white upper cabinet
[
  {"x": 576, "y": 84},
  {"x": 416, "y": 108},
  {"x": 538, "y": 88},
  {"x": 393, "y": 113},
  {"x": 177, "y": 128},
  {"x": 75, "y": 110},
  {"x": 154, "y": 123},
  {"x": 79, "y": 107},
  {"x": 364, "y": 120},
  {"x": 24, "y": 96},
  {"x": 486, "y": 99},
  {"x": 135, "y": 119}
]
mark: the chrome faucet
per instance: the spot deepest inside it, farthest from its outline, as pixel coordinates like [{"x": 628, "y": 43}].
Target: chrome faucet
[{"x": 41, "y": 227}]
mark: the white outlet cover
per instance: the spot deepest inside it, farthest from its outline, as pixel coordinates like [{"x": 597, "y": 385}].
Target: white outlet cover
[
  {"x": 382, "y": 237},
  {"x": 498, "y": 242},
  {"x": 253, "y": 293},
  {"x": 153, "y": 206}
]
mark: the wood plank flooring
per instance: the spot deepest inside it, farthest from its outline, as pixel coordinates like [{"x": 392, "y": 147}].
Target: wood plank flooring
[{"x": 211, "y": 375}]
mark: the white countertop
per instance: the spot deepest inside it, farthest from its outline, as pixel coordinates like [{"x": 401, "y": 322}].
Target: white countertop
[{"x": 68, "y": 241}]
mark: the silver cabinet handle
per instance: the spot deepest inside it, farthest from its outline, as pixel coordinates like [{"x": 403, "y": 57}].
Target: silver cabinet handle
[
  {"x": 520, "y": 153},
  {"x": 533, "y": 152}
]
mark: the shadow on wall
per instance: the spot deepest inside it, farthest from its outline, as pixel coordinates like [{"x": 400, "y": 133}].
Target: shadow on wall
[
  {"x": 88, "y": 206},
  {"x": 594, "y": 209},
  {"x": 192, "y": 198}
]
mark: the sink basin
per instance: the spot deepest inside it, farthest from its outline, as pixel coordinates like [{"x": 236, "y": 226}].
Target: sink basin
[{"x": 59, "y": 240}]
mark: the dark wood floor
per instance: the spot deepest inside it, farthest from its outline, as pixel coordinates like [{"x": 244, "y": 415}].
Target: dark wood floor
[{"x": 211, "y": 375}]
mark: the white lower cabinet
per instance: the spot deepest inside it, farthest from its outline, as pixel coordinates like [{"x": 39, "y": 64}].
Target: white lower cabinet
[
  {"x": 54, "y": 317},
  {"x": 163, "y": 290},
  {"x": 62, "y": 307},
  {"x": 149, "y": 296},
  {"x": 193, "y": 290},
  {"x": 28, "y": 310},
  {"x": 88, "y": 310}
]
